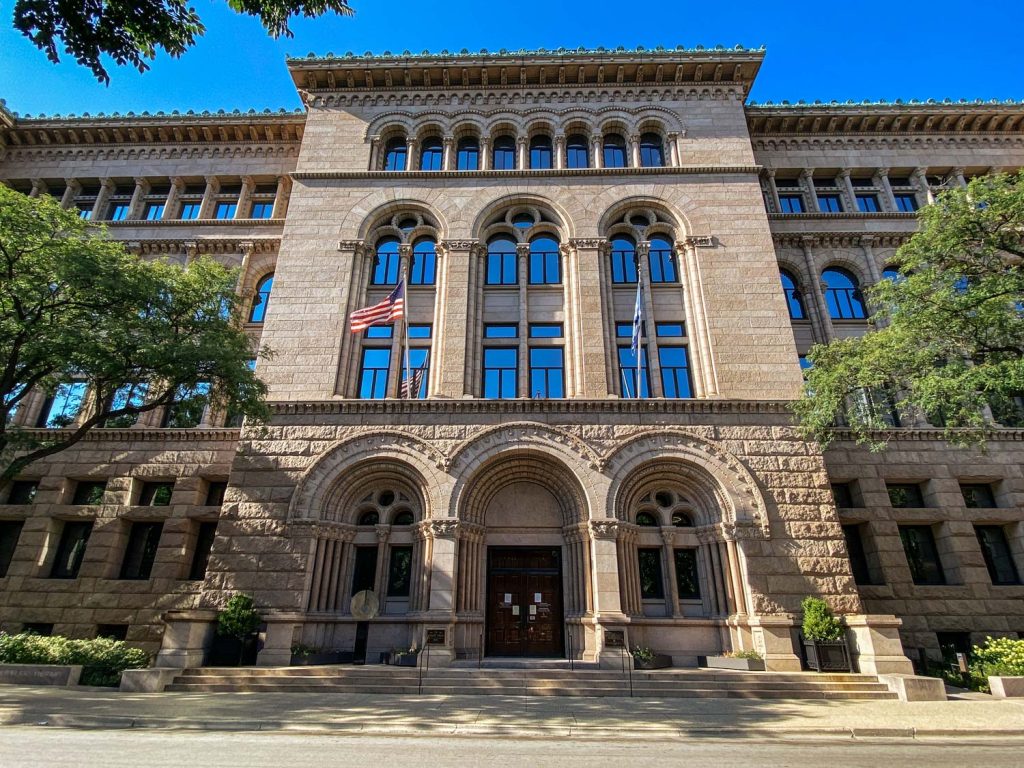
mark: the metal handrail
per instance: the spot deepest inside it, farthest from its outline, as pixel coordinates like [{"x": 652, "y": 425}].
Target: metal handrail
[
  {"x": 426, "y": 662},
  {"x": 480, "y": 652},
  {"x": 568, "y": 635},
  {"x": 628, "y": 666}
]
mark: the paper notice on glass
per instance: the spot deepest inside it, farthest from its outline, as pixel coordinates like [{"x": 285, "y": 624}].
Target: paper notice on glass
[
  {"x": 508, "y": 597},
  {"x": 536, "y": 597},
  {"x": 515, "y": 610},
  {"x": 533, "y": 610}
]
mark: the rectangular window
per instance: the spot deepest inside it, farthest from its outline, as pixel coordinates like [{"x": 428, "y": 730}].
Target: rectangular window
[
  {"x": 495, "y": 331},
  {"x": 71, "y": 550},
  {"x": 546, "y": 372},
  {"x": 225, "y": 210},
  {"x": 858, "y": 556},
  {"x": 41, "y": 628},
  {"x": 380, "y": 332},
  {"x": 373, "y": 375},
  {"x": 153, "y": 212},
  {"x": 906, "y": 203},
  {"x": 862, "y": 181},
  {"x": 119, "y": 211},
  {"x": 978, "y": 495},
  {"x": 501, "y": 370},
  {"x": 625, "y": 330},
  {"x": 61, "y": 408},
  {"x": 545, "y": 267},
  {"x": 424, "y": 264},
  {"x": 140, "y": 554},
  {"x": 187, "y": 410},
  {"x": 791, "y": 204},
  {"x": 668, "y": 330},
  {"x": 687, "y": 580},
  {"x": 998, "y": 558},
  {"x": 675, "y": 372},
  {"x": 627, "y": 372},
  {"x": 842, "y": 494},
  {"x": 867, "y": 203},
  {"x": 156, "y": 494},
  {"x": 10, "y": 532},
  {"x": 417, "y": 331},
  {"x": 830, "y": 204},
  {"x": 22, "y": 491},
  {"x": 89, "y": 492},
  {"x": 649, "y": 563},
  {"x": 825, "y": 182},
  {"x": 201, "y": 553},
  {"x": 400, "y": 572},
  {"x": 624, "y": 265},
  {"x": 922, "y": 554},
  {"x": 546, "y": 331},
  {"x": 190, "y": 211},
  {"x": 953, "y": 643},
  {"x": 501, "y": 268},
  {"x": 130, "y": 395},
  {"x": 112, "y": 631},
  {"x": 261, "y": 210},
  {"x": 85, "y": 212},
  {"x": 364, "y": 573},
  {"x": 215, "y": 490},
  {"x": 905, "y": 495},
  {"x": 417, "y": 360}
]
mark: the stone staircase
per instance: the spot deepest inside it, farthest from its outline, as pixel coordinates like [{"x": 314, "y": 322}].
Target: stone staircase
[{"x": 672, "y": 683}]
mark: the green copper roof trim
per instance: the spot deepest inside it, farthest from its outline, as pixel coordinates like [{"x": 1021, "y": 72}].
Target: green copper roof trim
[{"x": 465, "y": 53}]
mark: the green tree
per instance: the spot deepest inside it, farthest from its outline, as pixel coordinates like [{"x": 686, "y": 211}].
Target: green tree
[
  {"x": 137, "y": 335},
  {"x": 948, "y": 336},
  {"x": 131, "y": 31}
]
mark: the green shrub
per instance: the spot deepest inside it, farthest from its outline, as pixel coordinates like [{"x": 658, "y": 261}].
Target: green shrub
[
  {"x": 819, "y": 623},
  {"x": 642, "y": 653},
  {"x": 998, "y": 657},
  {"x": 747, "y": 654},
  {"x": 239, "y": 619},
  {"x": 103, "y": 660}
]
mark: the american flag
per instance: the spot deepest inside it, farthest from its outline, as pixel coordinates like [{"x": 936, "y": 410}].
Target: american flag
[
  {"x": 392, "y": 308},
  {"x": 411, "y": 385}
]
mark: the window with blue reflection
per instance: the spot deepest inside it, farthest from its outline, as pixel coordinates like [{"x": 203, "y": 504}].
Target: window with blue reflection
[
  {"x": 614, "y": 151},
  {"x": 417, "y": 360},
  {"x": 791, "y": 204},
  {"x": 891, "y": 273},
  {"x": 119, "y": 212},
  {"x": 498, "y": 331},
  {"x": 500, "y": 373},
  {"x": 189, "y": 211},
  {"x": 418, "y": 331},
  {"x": 830, "y": 204},
  {"x": 13, "y": 402},
  {"x": 261, "y": 299},
  {"x": 675, "y": 371},
  {"x": 128, "y": 396},
  {"x": 670, "y": 330},
  {"x": 153, "y": 212},
  {"x": 661, "y": 261},
  {"x": 225, "y": 210},
  {"x": 576, "y": 152},
  {"x": 547, "y": 370},
  {"x": 468, "y": 157},
  {"x": 794, "y": 300},
  {"x": 431, "y": 154},
  {"x": 394, "y": 154},
  {"x": 261, "y": 211},
  {"x": 545, "y": 264},
  {"x": 504, "y": 154},
  {"x": 546, "y": 331},
  {"x": 867, "y": 203},
  {"x": 627, "y": 372},
  {"x": 373, "y": 373},
  {"x": 379, "y": 332},
  {"x": 906, "y": 203},
  {"x": 652, "y": 152},
  {"x": 385, "y": 268},
  {"x": 805, "y": 364},
  {"x": 540, "y": 152},
  {"x": 186, "y": 411},
  {"x": 842, "y": 295},
  {"x": 424, "y": 263},
  {"x": 61, "y": 408},
  {"x": 623, "y": 254},
  {"x": 501, "y": 261}
]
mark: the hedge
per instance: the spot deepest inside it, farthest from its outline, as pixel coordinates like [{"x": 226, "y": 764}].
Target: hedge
[{"x": 103, "y": 660}]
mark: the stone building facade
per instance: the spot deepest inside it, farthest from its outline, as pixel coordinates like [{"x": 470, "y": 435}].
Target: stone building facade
[{"x": 526, "y": 502}]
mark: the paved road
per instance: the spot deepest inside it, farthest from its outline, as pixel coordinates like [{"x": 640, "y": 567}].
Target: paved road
[{"x": 21, "y": 747}]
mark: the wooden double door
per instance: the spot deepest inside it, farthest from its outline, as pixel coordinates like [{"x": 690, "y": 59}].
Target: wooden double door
[{"x": 524, "y": 602}]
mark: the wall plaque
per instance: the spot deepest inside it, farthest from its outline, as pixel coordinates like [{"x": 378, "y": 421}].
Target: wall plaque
[
  {"x": 614, "y": 639},
  {"x": 435, "y": 637}
]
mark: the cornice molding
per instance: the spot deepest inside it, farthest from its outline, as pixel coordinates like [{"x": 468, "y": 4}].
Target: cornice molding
[
  {"x": 529, "y": 406},
  {"x": 887, "y": 119},
  {"x": 842, "y": 239},
  {"x": 202, "y": 223},
  {"x": 844, "y": 216},
  {"x": 142, "y": 434},
  {"x": 143, "y": 152},
  {"x": 216, "y": 246},
  {"x": 527, "y": 173}
]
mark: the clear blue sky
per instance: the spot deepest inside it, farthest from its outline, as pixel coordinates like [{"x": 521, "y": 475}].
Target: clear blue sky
[{"x": 829, "y": 49}]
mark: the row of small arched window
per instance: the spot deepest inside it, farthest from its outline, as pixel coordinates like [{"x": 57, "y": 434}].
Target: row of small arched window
[
  {"x": 842, "y": 293},
  {"x": 614, "y": 153}
]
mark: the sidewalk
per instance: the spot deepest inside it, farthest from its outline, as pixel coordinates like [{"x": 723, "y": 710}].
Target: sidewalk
[{"x": 539, "y": 717}]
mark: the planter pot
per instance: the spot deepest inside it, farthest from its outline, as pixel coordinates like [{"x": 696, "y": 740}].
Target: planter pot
[
  {"x": 1006, "y": 687},
  {"x": 728, "y": 662},
  {"x": 827, "y": 655},
  {"x": 658, "y": 661},
  {"x": 232, "y": 652},
  {"x": 405, "y": 659},
  {"x": 325, "y": 657}
]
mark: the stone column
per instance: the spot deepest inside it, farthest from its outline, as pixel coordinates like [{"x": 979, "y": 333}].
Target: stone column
[
  {"x": 383, "y": 534},
  {"x": 171, "y": 201},
  {"x": 773, "y": 191},
  {"x": 888, "y": 198},
  {"x": 107, "y": 187},
  {"x": 866, "y": 244},
  {"x": 244, "y": 196},
  {"x": 559, "y": 148},
  {"x": 807, "y": 179},
  {"x": 485, "y": 153},
  {"x": 38, "y": 188},
  {"x": 586, "y": 347},
  {"x": 71, "y": 190},
  {"x": 361, "y": 257},
  {"x": 456, "y": 307},
  {"x": 643, "y": 252},
  {"x": 668, "y": 537},
  {"x": 138, "y": 199},
  {"x": 448, "y": 153},
  {"x": 284, "y": 188},
  {"x": 735, "y": 573},
  {"x": 702, "y": 363},
  {"x": 604, "y": 556},
  {"x": 960, "y": 180},
  {"x": 673, "y": 149},
  {"x": 875, "y": 645},
  {"x": 773, "y": 640},
  {"x": 522, "y": 156},
  {"x": 375, "y": 161},
  {"x": 818, "y": 309},
  {"x": 212, "y": 187},
  {"x": 523, "y": 265},
  {"x": 443, "y": 533},
  {"x": 634, "y": 150},
  {"x": 412, "y": 160},
  {"x": 596, "y": 151},
  {"x": 920, "y": 175},
  {"x": 851, "y": 195}
]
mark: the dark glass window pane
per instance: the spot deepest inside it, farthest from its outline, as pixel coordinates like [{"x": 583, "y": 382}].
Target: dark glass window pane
[
  {"x": 225, "y": 210},
  {"x": 687, "y": 578},
  {"x": 576, "y": 154},
  {"x": 469, "y": 155},
  {"x": 627, "y": 372},
  {"x": 501, "y": 262},
  {"x": 431, "y": 155},
  {"x": 996, "y": 551},
  {"x": 89, "y": 492},
  {"x": 922, "y": 554},
  {"x": 905, "y": 495},
  {"x": 830, "y": 204},
  {"x": 504, "y": 152},
  {"x": 71, "y": 550},
  {"x": 858, "y": 557},
  {"x": 156, "y": 494},
  {"x": 119, "y": 211},
  {"x": 675, "y": 372},
  {"x": 187, "y": 409},
  {"x": 22, "y": 491},
  {"x": 978, "y": 495},
  {"x": 417, "y": 359},
  {"x": 540, "y": 152},
  {"x": 545, "y": 262},
  {"x": 662, "y": 262},
  {"x": 112, "y": 631},
  {"x": 424, "y": 263},
  {"x": 794, "y": 300},
  {"x": 501, "y": 331},
  {"x": 215, "y": 491},
  {"x": 400, "y": 572},
  {"x": 403, "y": 518},
  {"x": 842, "y": 495},
  {"x": 546, "y": 372},
  {"x": 139, "y": 555},
  {"x": 373, "y": 376},
  {"x": 842, "y": 295},
  {"x": 652, "y": 154},
  {"x": 10, "y": 531},
  {"x": 385, "y": 267},
  {"x": 190, "y": 211},
  {"x": 906, "y": 203},
  {"x": 867, "y": 203},
  {"x": 500, "y": 373},
  {"x": 651, "y": 585},
  {"x": 153, "y": 212},
  {"x": 365, "y": 571},
  {"x": 261, "y": 211},
  {"x": 646, "y": 519},
  {"x": 546, "y": 331},
  {"x": 791, "y": 204},
  {"x": 623, "y": 255},
  {"x": 394, "y": 155},
  {"x": 614, "y": 151},
  {"x": 261, "y": 299}
]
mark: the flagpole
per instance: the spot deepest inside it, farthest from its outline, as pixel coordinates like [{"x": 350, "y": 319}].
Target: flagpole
[
  {"x": 405, "y": 328},
  {"x": 640, "y": 330}
]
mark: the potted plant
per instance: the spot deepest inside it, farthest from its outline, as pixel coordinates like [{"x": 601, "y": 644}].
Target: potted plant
[
  {"x": 234, "y": 643},
  {"x": 645, "y": 658},
  {"x": 1000, "y": 661},
  {"x": 823, "y": 640},
  {"x": 308, "y": 656},
  {"x": 405, "y": 658}
]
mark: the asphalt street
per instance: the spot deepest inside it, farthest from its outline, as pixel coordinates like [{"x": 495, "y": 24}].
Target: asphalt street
[{"x": 25, "y": 747}]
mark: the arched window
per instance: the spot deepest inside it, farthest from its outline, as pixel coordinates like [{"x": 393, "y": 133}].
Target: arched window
[
  {"x": 403, "y": 518},
  {"x": 576, "y": 154},
  {"x": 394, "y": 155},
  {"x": 424, "y": 263},
  {"x": 681, "y": 520},
  {"x": 468, "y": 155},
  {"x": 623, "y": 260},
  {"x": 646, "y": 519},
  {"x": 262, "y": 298},
  {"x": 540, "y": 152},
  {"x": 501, "y": 261},
  {"x": 545, "y": 264},
  {"x": 431, "y": 154},
  {"x": 794, "y": 300},
  {"x": 504, "y": 154},
  {"x": 842, "y": 295},
  {"x": 614, "y": 151},
  {"x": 661, "y": 261},
  {"x": 891, "y": 273},
  {"x": 369, "y": 518},
  {"x": 385, "y": 268},
  {"x": 652, "y": 153}
]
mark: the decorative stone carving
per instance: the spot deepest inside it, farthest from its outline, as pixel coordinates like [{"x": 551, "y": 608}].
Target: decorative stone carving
[
  {"x": 605, "y": 529},
  {"x": 443, "y": 528}
]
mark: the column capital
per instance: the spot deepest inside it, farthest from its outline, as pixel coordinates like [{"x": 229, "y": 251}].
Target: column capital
[
  {"x": 107, "y": 183},
  {"x": 768, "y": 172},
  {"x": 375, "y": 140},
  {"x": 672, "y": 135},
  {"x": 844, "y": 173},
  {"x": 881, "y": 171},
  {"x": 559, "y": 139},
  {"x": 807, "y": 173},
  {"x": 448, "y": 141},
  {"x": 605, "y": 529},
  {"x": 442, "y": 528},
  {"x": 522, "y": 250},
  {"x": 668, "y": 535},
  {"x": 405, "y": 250},
  {"x": 383, "y": 531},
  {"x": 447, "y": 246},
  {"x": 177, "y": 183},
  {"x": 588, "y": 242}
]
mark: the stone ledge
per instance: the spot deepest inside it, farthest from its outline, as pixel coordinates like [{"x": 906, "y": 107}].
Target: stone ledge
[
  {"x": 40, "y": 674},
  {"x": 915, "y": 688},
  {"x": 528, "y": 173}
]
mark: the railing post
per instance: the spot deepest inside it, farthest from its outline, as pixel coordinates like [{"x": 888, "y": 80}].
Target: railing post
[{"x": 480, "y": 652}]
